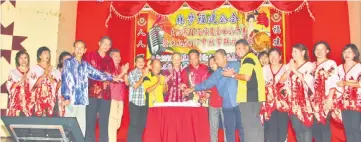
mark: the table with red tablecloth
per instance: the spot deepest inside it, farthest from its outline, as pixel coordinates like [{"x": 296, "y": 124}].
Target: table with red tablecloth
[{"x": 177, "y": 124}]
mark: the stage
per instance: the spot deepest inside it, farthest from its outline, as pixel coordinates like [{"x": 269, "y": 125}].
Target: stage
[{"x": 29, "y": 25}]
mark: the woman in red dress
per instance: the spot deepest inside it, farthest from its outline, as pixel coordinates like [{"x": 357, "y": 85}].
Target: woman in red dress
[
  {"x": 350, "y": 79},
  {"x": 275, "y": 110},
  {"x": 43, "y": 84},
  {"x": 326, "y": 76},
  {"x": 300, "y": 85},
  {"x": 20, "y": 100}
]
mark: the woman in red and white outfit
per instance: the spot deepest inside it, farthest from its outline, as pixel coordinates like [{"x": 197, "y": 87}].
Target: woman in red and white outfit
[
  {"x": 326, "y": 76},
  {"x": 43, "y": 83},
  {"x": 275, "y": 110},
  {"x": 300, "y": 85},
  {"x": 350, "y": 79},
  {"x": 20, "y": 100}
]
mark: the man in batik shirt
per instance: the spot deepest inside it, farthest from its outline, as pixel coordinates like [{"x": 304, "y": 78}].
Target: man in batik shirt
[
  {"x": 174, "y": 93},
  {"x": 75, "y": 83},
  {"x": 99, "y": 92},
  {"x": 193, "y": 75}
]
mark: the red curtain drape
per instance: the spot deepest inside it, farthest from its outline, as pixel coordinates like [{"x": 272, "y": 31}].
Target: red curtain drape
[
  {"x": 300, "y": 28},
  {"x": 331, "y": 24},
  {"x": 246, "y": 6},
  {"x": 287, "y": 5},
  {"x": 91, "y": 19},
  {"x": 132, "y": 8},
  {"x": 90, "y": 22},
  {"x": 205, "y": 5}
]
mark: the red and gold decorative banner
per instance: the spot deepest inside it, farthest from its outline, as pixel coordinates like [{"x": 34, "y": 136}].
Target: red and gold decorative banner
[
  {"x": 141, "y": 30},
  {"x": 278, "y": 31},
  {"x": 166, "y": 8},
  {"x": 207, "y": 31}
]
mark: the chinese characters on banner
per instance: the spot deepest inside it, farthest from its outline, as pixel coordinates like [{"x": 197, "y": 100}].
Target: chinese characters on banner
[
  {"x": 141, "y": 30},
  {"x": 208, "y": 31},
  {"x": 277, "y": 31}
]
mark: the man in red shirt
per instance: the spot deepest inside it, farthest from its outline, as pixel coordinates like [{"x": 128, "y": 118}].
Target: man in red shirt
[
  {"x": 99, "y": 92},
  {"x": 118, "y": 92},
  {"x": 194, "y": 74}
]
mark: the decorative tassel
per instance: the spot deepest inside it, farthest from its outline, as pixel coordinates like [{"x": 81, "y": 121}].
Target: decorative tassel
[
  {"x": 309, "y": 12},
  {"x": 109, "y": 16},
  {"x": 106, "y": 21},
  {"x": 305, "y": 3}
]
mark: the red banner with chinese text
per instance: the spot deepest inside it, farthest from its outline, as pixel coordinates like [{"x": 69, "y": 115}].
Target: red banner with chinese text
[
  {"x": 278, "y": 31},
  {"x": 141, "y": 30},
  {"x": 208, "y": 31}
]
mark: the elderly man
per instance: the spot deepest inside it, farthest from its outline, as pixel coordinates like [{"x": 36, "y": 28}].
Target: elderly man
[
  {"x": 75, "y": 84},
  {"x": 174, "y": 93},
  {"x": 154, "y": 84}
]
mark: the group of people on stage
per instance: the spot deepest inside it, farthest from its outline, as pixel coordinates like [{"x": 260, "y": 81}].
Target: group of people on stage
[
  {"x": 255, "y": 95},
  {"x": 311, "y": 93},
  {"x": 86, "y": 87}
]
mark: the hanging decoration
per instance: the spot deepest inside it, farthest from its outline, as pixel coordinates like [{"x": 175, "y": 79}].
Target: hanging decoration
[
  {"x": 131, "y": 9},
  {"x": 290, "y": 7}
]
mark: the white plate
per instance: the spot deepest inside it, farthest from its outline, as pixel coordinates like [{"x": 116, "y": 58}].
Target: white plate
[{"x": 175, "y": 104}]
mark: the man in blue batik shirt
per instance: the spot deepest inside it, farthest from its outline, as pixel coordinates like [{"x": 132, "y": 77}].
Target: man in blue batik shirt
[
  {"x": 227, "y": 89},
  {"x": 74, "y": 87}
]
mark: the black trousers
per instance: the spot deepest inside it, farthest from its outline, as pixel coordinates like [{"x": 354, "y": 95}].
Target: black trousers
[
  {"x": 95, "y": 107},
  {"x": 138, "y": 117},
  {"x": 233, "y": 121},
  {"x": 276, "y": 127},
  {"x": 351, "y": 122},
  {"x": 303, "y": 133},
  {"x": 322, "y": 132},
  {"x": 266, "y": 130}
]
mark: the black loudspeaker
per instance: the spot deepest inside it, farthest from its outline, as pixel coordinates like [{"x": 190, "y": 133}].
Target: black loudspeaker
[{"x": 49, "y": 129}]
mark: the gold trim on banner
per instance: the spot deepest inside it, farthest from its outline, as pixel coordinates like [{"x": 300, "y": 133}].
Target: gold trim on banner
[
  {"x": 135, "y": 41},
  {"x": 113, "y": 10},
  {"x": 284, "y": 37}
]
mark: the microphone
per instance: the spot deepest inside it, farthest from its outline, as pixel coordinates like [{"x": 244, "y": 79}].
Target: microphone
[{"x": 155, "y": 40}]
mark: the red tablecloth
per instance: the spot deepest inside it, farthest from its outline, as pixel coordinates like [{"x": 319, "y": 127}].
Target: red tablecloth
[{"x": 177, "y": 124}]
